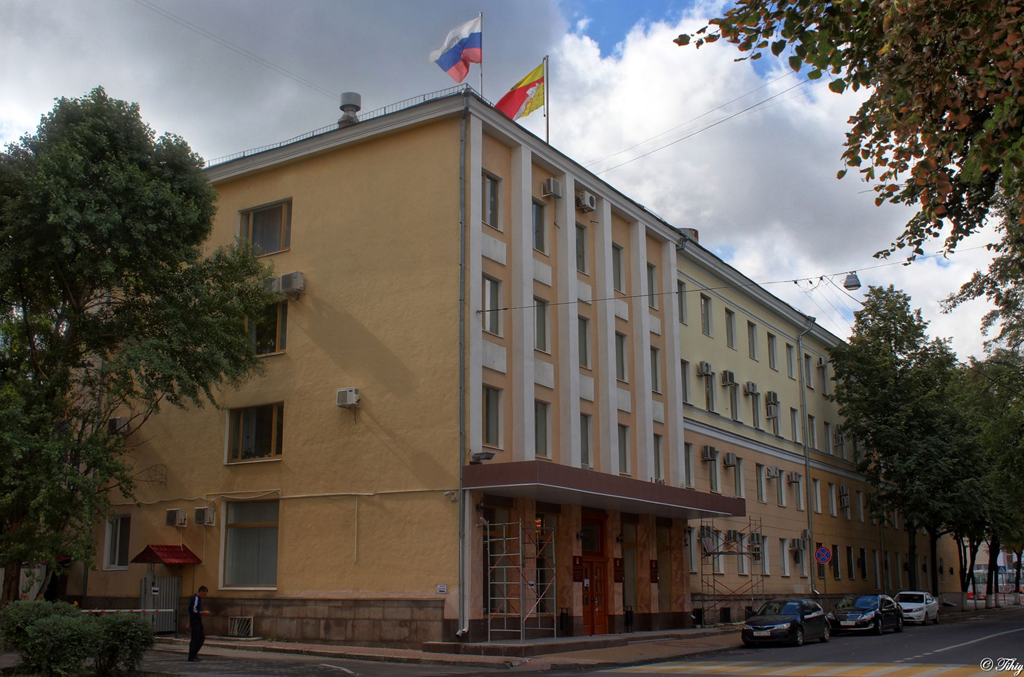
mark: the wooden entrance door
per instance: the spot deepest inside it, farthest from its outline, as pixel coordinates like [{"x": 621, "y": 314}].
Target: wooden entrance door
[{"x": 595, "y": 598}]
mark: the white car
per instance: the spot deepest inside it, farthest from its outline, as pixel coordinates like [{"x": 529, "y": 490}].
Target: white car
[{"x": 918, "y": 607}]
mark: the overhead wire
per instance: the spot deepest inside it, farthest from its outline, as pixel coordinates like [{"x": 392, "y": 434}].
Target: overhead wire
[{"x": 235, "y": 48}]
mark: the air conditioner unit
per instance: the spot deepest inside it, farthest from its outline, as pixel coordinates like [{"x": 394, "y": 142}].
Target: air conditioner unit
[
  {"x": 272, "y": 285},
  {"x": 728, "y": 378},
  {"x": 844, "y": 500},
  {"x": 771, "y": 397},
  {"x": 772, "y": 411},
  {"x": 771, "y": 472},
  {"x": 205, "y": 516},
  {"x": 176, "y": 517},
  {"x": 586, "y": 201},
  {"x": 703, "y": 368},
  {"x": 732, "y": 535},
  {"x": 293, "y": 283},
  {"x": 551, "y": 188},
  {"x": 708, "y": 453},
  {"x": 793, "y": 477},
  {"x": 749, "y": 388},
  {"x": 117, "y": 425},
  {"x": 805, "y": 535},
  {"x": 730, "y": 460},
  {"x": 707, "y": 532},
  {"x": 822, "y": 361},
  {"x": 348, "y": 397}
]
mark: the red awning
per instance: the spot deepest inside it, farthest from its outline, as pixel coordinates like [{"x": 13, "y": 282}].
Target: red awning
[{"x": 166, "y": 554}]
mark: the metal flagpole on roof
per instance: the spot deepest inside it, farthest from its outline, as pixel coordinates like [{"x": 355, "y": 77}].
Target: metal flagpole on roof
[
  {"x": 481, "y": 53},
  {"x": 547, "y": 116}
]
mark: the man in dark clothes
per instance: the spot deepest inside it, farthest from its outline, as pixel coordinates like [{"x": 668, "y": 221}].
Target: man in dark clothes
[{"x": 195, "y": 622}]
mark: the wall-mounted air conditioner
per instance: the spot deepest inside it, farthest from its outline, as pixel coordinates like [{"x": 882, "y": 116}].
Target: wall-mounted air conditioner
[
  {"x": 348, "y": 397},
  {"x": 118, "y": 425},
  {"x": 793, "y": 477},
  {"x": 205, "y": 516},
  {"x": 749, "y": 388},
  {"x": 586, "y": 201},
  {"x": 176, "y": 517},
  {"x": 293, "y": 284},
  {"x": 708, "y": 453},
  {"x": 728, "y": 378},
  {"x": 551, "y": 188},
  {"x": 703, "y": 368},
  {"x": 730, "y": 460}
]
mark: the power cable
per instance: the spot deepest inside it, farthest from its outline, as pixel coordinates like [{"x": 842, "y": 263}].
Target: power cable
[
  {"x": 824, "y": 314},
  {"x": 235, "y": 48}
]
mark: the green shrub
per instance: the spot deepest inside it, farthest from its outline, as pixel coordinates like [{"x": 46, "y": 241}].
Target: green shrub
[
  {"x": 16, "y": 617},
  {"x": 123, "y": 642},
  {"x": 58, "y": 644}
]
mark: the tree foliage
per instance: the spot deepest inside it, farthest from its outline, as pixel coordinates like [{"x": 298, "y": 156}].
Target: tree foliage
[
  {"x": 942, "y": 129},
  {"x": 110, "y": 307}
]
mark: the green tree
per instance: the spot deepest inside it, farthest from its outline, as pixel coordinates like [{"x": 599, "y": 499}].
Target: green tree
[
  {"x": 891, "y": 385},
  {"x": 110, "y": 307},
  {"x": 942, "y": 129}
]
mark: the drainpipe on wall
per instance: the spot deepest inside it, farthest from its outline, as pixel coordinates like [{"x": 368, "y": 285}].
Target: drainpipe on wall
[
  {"x": 463, "y": 499},
  {"x": 807, "y": 452}
]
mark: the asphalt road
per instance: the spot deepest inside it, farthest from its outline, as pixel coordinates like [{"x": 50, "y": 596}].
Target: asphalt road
[{"x": 949, "y": 649}]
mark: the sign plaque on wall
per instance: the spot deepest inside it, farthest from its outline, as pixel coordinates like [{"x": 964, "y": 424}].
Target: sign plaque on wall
[
  {"x": 654, "y": 571},
  {"x": 577, "y": 569},
  {"x": 619, "y": 570}
]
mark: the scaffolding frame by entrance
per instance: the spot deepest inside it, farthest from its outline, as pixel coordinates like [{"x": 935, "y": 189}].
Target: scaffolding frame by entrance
[
  {"x": 520, "y": 581},
  {"x": 745, "y": 544}
]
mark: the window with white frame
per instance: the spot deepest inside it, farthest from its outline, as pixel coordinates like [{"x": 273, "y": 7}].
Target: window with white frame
[
  {"x": 658, "y": 459},
  {"x": 618, "y": 279},
  {"x": 705, "y": 314},
  {"x": 808, "y": 374},
  {"x": 491, "y": 198},
  {"x": 718, "y": 559},
  {"x": 492, "y": 417},
  {"x": 118, "y": 532},
  {"x": 491, "y": 313},
  {"x": 850, "y": 563},
  {"x": 790, "y": 359},
  {"x": 620, "y": 357},
  {"x": 688, "y": 464},
  {"x": 766, "y": 568},
  {"x": 709, "y": 392},
  {"x": 816, "y": 487},
  {"x": 828, "y": 437},
  {"x": 739, "y": 479},
  {"x": 741, "y": 561},
  {"x": 540, "y": 236},
  {"x": 773, "y": 407},
  {"x": 773, "y": 358},
  {"x": 802, "y": 548},
  {"x": 268, "y": 229},
  {"x": 581, "y": 248},
  {"x": 585, "y": 433},
  {"x": 759, "y": 476},
  {"x": 824, "y": 378},
  {"x": 784, "y": 556},
  {"x": 832, "y": 499},
  {"x": 752, "y": 340},
  {"x": 714, "y": 473},
  {"x": 800, "y": 493},
  {"x": 780, "y": 489},
  {"x": 655, "y": 369},
  {"x": 812, "y": 432},
  {"x": 730, "y": 329},
  {"x": 681, "y": 300},
  {"x": 684, "y": 368},
  {"x": 878, "y": 577},
  {"x": 584, "y": 341},
  {"x": 860, "y": 507},
  {"x": 794, "y": 424},
  {"x": 255, "y": 432},
  {"x": 250, "y": 557},
  {"x": 652, "y": 286},
  {"x": 623, "y": 448},
  {"x": 734, "y": 401},
  {"x": 540, "y": 324},
  {"x": 541, "y": 428},
  {"x": 755, "y": 410},
  {"x": 836, "y": 572}
]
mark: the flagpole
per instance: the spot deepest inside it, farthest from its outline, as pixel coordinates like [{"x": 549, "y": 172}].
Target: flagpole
[
  {"x": 547, "y": 109},
  {"x": 481, "y": 54}
]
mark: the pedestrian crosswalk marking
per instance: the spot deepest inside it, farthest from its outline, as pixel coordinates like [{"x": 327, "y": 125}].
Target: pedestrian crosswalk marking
[{"x": 753, "y": 669}]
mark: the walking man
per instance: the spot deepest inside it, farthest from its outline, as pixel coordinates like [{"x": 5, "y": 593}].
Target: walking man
[{"x": 195, "y": 622}]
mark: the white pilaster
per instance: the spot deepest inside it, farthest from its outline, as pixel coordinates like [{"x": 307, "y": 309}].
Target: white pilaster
[
  {"x": 475, "y": 286},
  {"x": 606, "y": 458},
  {"x": 568, "y": 358},
  {"x": 641, "y": 342},
  {"x": 673, "y": 375},
  {"x": 523, "y": 447}
]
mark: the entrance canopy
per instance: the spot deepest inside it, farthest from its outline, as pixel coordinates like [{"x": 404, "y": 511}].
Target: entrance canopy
[
  {"x": 166, "y": 554},
  {"x": 555, "y": 483}
]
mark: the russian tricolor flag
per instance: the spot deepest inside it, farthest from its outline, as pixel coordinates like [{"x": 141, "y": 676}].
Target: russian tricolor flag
[{"x": 461, "y": 48}]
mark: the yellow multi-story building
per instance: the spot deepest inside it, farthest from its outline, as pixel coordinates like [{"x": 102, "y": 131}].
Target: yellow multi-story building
[{"x": 500, "y": 399}]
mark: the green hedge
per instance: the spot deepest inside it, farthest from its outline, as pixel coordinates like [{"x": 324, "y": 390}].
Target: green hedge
[
  {"x": 17, "y": 617},
  {"x": 123, "y": 642},
  {"x": 58, "y": 645}
]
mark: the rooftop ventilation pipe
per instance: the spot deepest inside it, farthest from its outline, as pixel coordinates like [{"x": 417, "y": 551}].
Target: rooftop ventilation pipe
[{"x": 351, "y": 103}]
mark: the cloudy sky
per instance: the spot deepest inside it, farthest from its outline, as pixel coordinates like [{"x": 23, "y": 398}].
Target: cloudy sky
[{"x": 651, "y": 117}]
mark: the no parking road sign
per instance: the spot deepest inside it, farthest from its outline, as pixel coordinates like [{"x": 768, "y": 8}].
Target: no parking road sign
[{"x": 823, "y": 555}]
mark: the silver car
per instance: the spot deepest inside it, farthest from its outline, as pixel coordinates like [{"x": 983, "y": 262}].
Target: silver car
[{"x": 918, "y": 607}]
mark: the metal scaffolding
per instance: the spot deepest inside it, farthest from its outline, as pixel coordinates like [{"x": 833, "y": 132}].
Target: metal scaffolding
[
  {"x": 520, "y": 581},
  {"x": 745, "y": 545}
]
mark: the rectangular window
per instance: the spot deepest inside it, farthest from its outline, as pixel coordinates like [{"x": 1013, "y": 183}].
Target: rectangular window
[
  {"x": 860, "y": 506},
  {"x": 256, "y": 432},
  {"x": 828, "y": 437},
  {"x": 808, "y": 374},
  {"x": 812, "y": 432},
  {"x": 765, "y": 556},
  {"x": 684, "y": 368},
  {"x": 780, "y": 488},
  {"x": 752, "y": 340},
  {"x": 719, "y": 560},
  {"x": 794, "y": 424},
  {"x": 652, "y": 286},
  {"x": 540, "y": 324},
  {"x": 849, "y": 562},
  {"x": 739, "y": 479},
  {"x": 623, "y": 448},
  {"x": 755, "y": 410},
  {"x": 581, "y": 248},
  {"x": 832, "y": 499},
  {"x": 816, "y": 486},
  {"x": 705, "y": 314},
  {"x": 774, "y": 408},
  {"x": 800, "y": 493},
  {"x": 709, "y": 392},
  {"x": 268, "y": 229},
  {"x": 118, "y": 532},
  {"x": 584, "y": 340},
  {"x": 714, "y": 474},
  {"x": 899, "y": 572},
  {"x": 773, "y": 360},
  {"x": 759, "y": 472},
  {"x": 741, "y": 561},
  {"x": 617, "y": 278},
  {"x": 730, "y": 329},
  {"x": 491, "y": 210},
  {"x": 734, "y": 402},
  {"x": 887, "y": 569},
  {"x": 268, "y": 332},
  {"x": 658, "y": 461},
  {"x": 681, "y": 300},
  {"x": 688, "y": 464},
  {"x": 491, "y": 305},
  {"x": 540, "y": 240},
  {"x": 492, "y": 417},
  {"x": 655, "y": 370},
  {"x": 784, "y": 556},
  {"x": 585, "y": 439},
  {"x": 803, "y": 556},
  {"x": 836, "y": 573},
  {"x": 790, "y": 359},
  {"x": 620, "y": 357},
  {"x": 250, "y": 558},
  {"x": 540, "y": 428},
  {"x": 878, "y": 577}
]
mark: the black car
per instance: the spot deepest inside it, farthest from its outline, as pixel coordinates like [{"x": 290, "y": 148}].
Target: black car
[
  {"x": 786, "y": 620},
  {"x": 875, "y": 613}
]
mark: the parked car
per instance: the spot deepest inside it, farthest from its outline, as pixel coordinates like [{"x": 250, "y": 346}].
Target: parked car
[
  {"x": 876, "y": 613},
  {"x": 786, "y": 620},
  {"x": 918, "y": 607}
]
